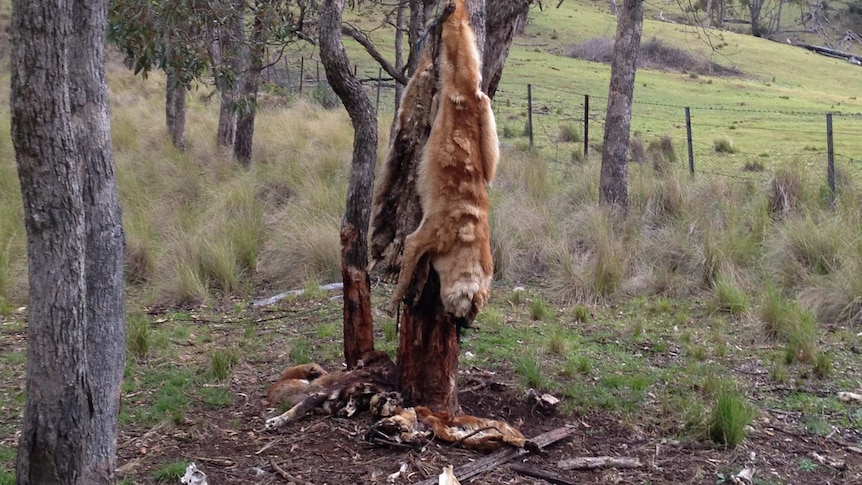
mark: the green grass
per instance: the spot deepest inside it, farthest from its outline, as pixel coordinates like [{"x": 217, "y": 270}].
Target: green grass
[
  {"x": 222, "y": 361},
  {"x": 730, "y": 415},
  {"x": 170, "y": 472},
  {"x": 728, "y": 297}
]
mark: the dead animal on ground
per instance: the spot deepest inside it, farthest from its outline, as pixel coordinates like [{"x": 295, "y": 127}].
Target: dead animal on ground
[
  {"x": 294, "y": 384},
  {"x": 343, "y": 393},
  {"x": 459, "y": 158},
  {"x": 417, "y": 425}
]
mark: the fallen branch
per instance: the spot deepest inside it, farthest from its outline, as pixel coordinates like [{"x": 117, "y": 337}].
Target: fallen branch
[
  {"x": 282, "y": 296},
  {"x": 595, "y": 462},
  {"x": 543, "y": 474},
  {"x": 287, "y": 476},
  {"x": 492, "y": 461}
]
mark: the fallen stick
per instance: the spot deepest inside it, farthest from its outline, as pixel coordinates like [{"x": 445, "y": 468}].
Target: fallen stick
[
  {"x": 547, "y": 476},
  {"x": 500, "y": 457},
  {"x": 287, "y": 476},
  {"x": 281, "y": 296},
  {"x": 594, "y": 462}
]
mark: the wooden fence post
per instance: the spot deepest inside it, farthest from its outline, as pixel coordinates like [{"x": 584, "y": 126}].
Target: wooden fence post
[
  {"x": 830, "y": 168},
  {"x": 688, "y": 139},
  {"x": 586, "y": 125},
  {"x": 379, "y": 82},
  {"x": 530, "y": 114},
  {"x": 301, "y": 73}
]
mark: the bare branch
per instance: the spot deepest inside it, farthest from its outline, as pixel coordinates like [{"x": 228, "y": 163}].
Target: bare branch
[{"x": 365, "y": 42}]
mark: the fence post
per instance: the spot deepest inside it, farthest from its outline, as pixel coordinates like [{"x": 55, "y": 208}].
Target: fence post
[
  {"x": 688, "y": 139},
  {"x": 317, "y": 68},
  {"x": 301, "y": 73},
  {"x": 530, "y": 113},
  {"x": 830, "y": 170},
  {"x": 586, "y": 125},
  {"x": 379, "y": 81}
]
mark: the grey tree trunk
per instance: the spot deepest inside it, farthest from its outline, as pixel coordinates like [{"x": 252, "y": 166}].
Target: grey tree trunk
[
  {"x": 175, "y": 109},
  {"x": 358, "y": 323},
  {"x": 226, "y": 57},
  {"x": 399, "y": 50},
  {"x": 49, "y": 117},
  {"x": 250, "y": 84},
  {"x": 103, "y": 236},
  {"x": 612, "y": 183},
  {"x": 754, "y": 9},
  {"x": 420, "y": 12},
  {"x": 505, "y": 18}
]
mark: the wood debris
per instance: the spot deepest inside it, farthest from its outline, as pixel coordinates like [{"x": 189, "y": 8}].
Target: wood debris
[{"x": 595, "y": 462}]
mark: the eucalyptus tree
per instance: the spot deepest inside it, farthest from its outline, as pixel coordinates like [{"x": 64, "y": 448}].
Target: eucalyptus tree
[{"x": 75, "y": 333}]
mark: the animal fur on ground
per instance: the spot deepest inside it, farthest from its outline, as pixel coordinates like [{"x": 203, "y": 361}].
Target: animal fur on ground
[
  {"x": 417, "y": 425},
  {"x": 340, "y": 393},
  {"x": 459, "y": 158},
  {"x": 294, "y": 384}
]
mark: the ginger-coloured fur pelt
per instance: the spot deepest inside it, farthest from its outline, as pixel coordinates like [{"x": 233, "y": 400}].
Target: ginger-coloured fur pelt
[
  {"x": 459, "y": 158},
  {"x": 293, "y": 384},
  {"x": 417, "y": 425}
]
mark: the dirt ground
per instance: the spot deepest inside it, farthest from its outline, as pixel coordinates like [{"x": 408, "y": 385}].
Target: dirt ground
[
  {"x": 326, "y": 450},
  {"x": 229, "y": 444}
]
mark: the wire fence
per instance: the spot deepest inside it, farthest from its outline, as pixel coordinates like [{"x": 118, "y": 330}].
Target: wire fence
[
  {"x": 732, "y": 141},
  {"x": 736, "y": 141}
]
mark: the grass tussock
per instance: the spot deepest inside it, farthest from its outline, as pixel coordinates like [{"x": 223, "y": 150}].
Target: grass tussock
[{"x": 731, "y": 413}]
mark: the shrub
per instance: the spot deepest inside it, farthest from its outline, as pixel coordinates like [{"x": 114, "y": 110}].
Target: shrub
[
  {"x": 661, "y": 153},
  {"x": 637, "y": 153},
  {"x": 539, "y": 309},
  {"x": 171, "y": 472},
  {"x": 323, "y": 95},
  {"x": 754, "y": 166},
  {"x": 569, "y": 134},
  {"x": 653, "y": 54},
  {"x": 785, "y": 193},
  {"x": 728, "y": 297},
  {"x": 138, "y": 264},
  {"x": 138, "y": 336},
  {"x": 730, "y": 415},
  {"x": 222, "y": 361},
  {"x": 723, "y": 145}
]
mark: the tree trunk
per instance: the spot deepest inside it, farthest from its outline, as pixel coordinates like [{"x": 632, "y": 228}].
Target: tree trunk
[
  {"x": 707, "y": 14},
  {"x": 250, "y": 85},
  {"x": 54, "y": 439},
  {"x": 505, "y": 18},
  {"x": 428, "y": 352},
  {"x": 754, "y": 9},
  {"x": 428, "y": 348},
  {"x": 420, "y": 13},
  {"x": 399, "y": 50},
  {"x": 358, "y": 324},
  {"x": 104, "y": 238},
  {"x": 612, "y": 184},
  {"x": 226, "y": 57},
  {"x": 175, "y": 109}
]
